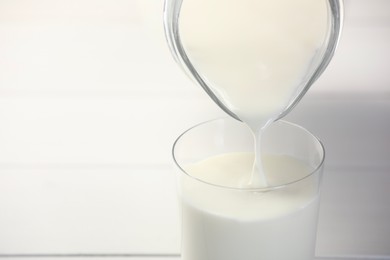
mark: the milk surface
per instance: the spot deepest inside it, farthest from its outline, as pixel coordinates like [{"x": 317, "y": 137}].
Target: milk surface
[{"x": 230, "y": 224}]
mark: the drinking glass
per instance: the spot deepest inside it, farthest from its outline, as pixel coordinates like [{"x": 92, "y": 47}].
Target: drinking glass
[{"x": 222, "y": 222}]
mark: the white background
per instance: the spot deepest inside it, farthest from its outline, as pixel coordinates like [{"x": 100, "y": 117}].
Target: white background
[{"x": 91, "y": 102}]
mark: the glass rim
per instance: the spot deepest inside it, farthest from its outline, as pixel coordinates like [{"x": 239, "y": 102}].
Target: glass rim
[{"x": 254, "y": 189}]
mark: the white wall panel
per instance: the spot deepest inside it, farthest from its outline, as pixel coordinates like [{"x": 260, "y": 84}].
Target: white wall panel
[
  {"x": 89, "y": 210},
  {"x": 95, "y": 130}
]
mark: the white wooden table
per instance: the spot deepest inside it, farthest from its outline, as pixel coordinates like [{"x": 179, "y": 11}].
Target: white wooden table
[{"x": 144, "y": 257}]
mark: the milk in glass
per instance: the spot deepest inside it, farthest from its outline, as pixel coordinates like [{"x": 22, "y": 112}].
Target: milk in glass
[{"x": 233, "y": 224}]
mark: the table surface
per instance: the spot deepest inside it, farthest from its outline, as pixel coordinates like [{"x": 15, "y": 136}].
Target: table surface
[{"x": 148, "y": 257}]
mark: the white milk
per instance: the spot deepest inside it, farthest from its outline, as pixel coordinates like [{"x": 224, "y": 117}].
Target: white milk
[
  {"x": 255, "y": 55},
  {"x": 228, "y": 224}
]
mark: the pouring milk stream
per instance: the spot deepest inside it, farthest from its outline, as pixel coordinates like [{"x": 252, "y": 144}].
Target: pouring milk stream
[{"x": 255, "y": 57}]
